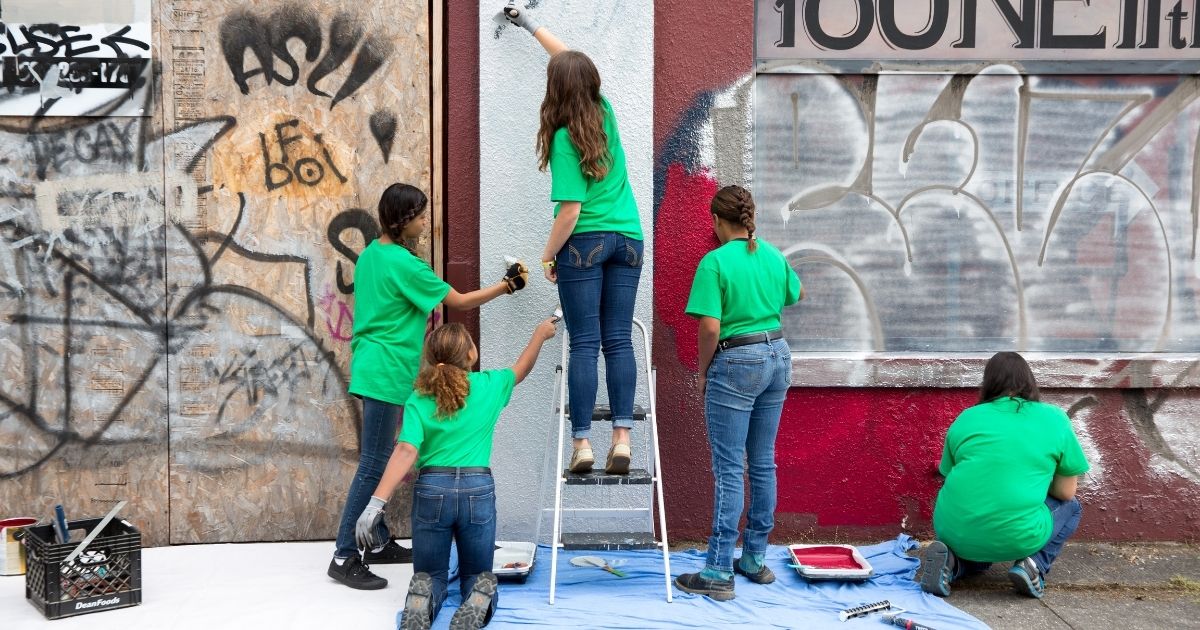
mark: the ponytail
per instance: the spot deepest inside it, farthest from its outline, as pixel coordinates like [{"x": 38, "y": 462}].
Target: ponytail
[
  {"x": 443, "y": 375},
  {"x": 735, "y": 205}
]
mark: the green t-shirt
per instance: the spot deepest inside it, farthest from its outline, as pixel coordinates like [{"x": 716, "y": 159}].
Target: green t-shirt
[
  {"x": 998, "y": 463},
  {"x": 607, "y": 205},
  {"x": 394, "y": 292},
  {"x": 745, "y": 290},
  {"x": 465, "y": 438}
]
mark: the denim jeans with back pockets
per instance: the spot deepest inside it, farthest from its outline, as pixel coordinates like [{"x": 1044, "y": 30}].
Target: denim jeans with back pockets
[
  {"x": 460, "y": 508},
  {"x": 742, "y": 405},
  {"x": 598, "y": 275}
]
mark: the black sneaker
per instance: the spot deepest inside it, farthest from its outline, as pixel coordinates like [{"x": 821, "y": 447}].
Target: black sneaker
[
  {"x": 417, "y": 604},
  {"x": 720, "y": 590},
  {"x": 473, "y": 613},
  {"x": 762, "y": 576},
  {"x": 937, "y": 569},
  {"x": 392, "y": 553},
  {"x": 355, "y": 574}
]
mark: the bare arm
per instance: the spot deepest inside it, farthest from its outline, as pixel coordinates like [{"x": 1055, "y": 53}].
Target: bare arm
[
  {"x": 549, "y": 41},
  {"x": 467, "y": 301},
  {"x": 710, "y": 332},
  {"x": 528, "y": 358},
  {"x": 398, "y": 465},
  {"x": 1063, "y": 488},
  {"x": 564, "y": 224}
]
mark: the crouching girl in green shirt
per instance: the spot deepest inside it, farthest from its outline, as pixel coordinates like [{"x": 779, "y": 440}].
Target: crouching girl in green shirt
[
  {"x": 1011, "y": 465},
  {"x": 448, "y": 426}
]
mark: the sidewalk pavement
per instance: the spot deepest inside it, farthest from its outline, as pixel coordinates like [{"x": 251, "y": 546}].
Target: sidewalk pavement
[{"x": 1095, "y": 585}]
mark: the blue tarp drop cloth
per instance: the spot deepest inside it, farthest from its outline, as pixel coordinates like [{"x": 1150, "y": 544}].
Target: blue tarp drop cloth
[{"x": 589, "y": 597}]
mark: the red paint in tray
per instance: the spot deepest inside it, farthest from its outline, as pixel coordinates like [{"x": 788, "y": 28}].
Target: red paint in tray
[{"x": 828, "y": 557}]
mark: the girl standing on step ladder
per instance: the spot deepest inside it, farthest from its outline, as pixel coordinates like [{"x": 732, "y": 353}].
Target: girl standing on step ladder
[
  {"x": 448, "y": 424},
  {"x": 738, "y": 294},
  {"x": 594, "y": 252},
  {"x": 394, "y": 292}
]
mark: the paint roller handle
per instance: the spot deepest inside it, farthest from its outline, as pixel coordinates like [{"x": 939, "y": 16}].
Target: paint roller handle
[
  {"x": 520, "y": 17},
  {"x": 902, "y": 622}
]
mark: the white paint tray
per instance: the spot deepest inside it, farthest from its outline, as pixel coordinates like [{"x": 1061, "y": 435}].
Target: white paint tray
[
  {"x": 830, "y": 562},
  {"x": 513, "y": 560}
]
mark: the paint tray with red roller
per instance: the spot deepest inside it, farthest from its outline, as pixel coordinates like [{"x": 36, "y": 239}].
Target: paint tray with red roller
[{"x": 830, "y": 562}]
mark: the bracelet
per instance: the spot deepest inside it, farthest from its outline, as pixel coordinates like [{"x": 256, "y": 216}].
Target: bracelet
[{"x": 546, "y": 264}]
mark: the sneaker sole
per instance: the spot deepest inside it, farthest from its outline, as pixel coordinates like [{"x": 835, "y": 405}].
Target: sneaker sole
[
  {"x": 720, "y": 596},
  {"x": 1021, "y": 582},
  {"x": 472, "y": 614},
  {"x": 933, "y": 564},
  {"x": 416, "y": 604}
]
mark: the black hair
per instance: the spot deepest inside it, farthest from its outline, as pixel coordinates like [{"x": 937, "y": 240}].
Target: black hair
[
  {"x": 1007, "y": 374},
  {"x": 400, "y": 204}
]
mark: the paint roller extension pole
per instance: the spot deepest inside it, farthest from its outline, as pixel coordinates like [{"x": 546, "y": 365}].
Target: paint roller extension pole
[{"x": 896, "y": 620}]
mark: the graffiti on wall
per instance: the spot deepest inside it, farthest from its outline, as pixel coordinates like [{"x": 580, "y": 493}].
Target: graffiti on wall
[
  {"x": 174, "y": 305},
  {"x": 834, "y": 155}
]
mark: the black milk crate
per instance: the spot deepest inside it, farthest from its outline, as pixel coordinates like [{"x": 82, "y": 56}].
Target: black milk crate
[{"x": 107, "y": 575}]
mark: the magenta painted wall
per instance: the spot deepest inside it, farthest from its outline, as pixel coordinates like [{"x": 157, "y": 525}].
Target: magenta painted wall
[{"x": 858, "y": 463}]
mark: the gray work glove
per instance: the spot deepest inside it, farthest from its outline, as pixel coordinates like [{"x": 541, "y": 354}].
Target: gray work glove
[
  {"x": 520, "y": 17},
  {"x": 368, "y": 523}
]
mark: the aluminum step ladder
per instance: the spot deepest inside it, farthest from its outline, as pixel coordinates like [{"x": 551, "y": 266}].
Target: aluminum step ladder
[{"x": 598, "y": 478}]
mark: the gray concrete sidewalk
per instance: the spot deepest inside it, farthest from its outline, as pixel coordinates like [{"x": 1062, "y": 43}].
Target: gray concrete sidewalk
[{"x": 1095, "y": 585}]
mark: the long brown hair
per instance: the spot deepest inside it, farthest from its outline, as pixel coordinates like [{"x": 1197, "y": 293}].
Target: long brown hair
[
  {"x": 735, "y": 205},
  {"x": 573, "y": 101},
  {"x": 1007, "y": 374},
  {"x": 443, "y": 372}
]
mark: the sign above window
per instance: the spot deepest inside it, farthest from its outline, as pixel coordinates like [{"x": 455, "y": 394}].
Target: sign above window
[{"x": 1045, "y": 36}]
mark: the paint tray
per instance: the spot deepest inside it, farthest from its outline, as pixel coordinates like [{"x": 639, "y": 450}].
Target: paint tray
[
  {"x": 830, "y": 562},
  {"x": 513, "y": 560}
]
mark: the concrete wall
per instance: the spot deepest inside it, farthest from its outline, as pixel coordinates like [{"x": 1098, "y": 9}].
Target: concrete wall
[
  {"x": 859, "y": 438},
  {"x": 175, "y": 298},
  {"x": 516, "y": 213}
]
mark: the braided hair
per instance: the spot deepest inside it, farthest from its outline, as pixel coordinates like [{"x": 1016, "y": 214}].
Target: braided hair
[
  {"x": 443, "y": 373},
  {"x": 400, "y": 204},
  {"x": 735, "y": 205}
]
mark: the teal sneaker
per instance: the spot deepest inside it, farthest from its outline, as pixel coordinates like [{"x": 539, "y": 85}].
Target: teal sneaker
[{"x": 1027, "y": 578}]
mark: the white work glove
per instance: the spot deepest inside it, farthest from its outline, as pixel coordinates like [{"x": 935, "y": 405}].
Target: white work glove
[
  {"x": 520, "y": 17},
  {"x": 368, "y": 523}
]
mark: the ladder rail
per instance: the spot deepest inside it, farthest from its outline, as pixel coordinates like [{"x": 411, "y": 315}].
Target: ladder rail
[
  {"x": 556, "y": 541},
  {"x": 656, "y": 469}
]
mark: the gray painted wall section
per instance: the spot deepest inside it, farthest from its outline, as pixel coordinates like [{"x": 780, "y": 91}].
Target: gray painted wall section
[{"x": 515, "y": 219}]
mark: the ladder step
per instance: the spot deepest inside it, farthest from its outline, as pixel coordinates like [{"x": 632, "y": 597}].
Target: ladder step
[
  {"x": 603, "y": 414},
  {"x": 609, "y": 541},
  {"x": 636, "y": 476}
]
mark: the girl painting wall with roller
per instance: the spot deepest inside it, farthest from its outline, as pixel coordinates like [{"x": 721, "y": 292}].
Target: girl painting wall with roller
[
  {"x": 594, "y": 251},
  {"x": 394, "y": 292}
]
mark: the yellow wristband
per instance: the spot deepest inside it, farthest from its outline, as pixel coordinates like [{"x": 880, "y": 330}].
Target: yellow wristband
[{"x": 546, "y": 264}]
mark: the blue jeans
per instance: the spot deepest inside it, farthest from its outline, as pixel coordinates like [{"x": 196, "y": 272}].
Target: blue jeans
[
  {"x": 742, "y": 405},
  {"x": 1066, "y": 516},
  {"x": 460, "y": 508},
  {"x": 380, "y": 423},
  {"x": 598, "y": 276}
]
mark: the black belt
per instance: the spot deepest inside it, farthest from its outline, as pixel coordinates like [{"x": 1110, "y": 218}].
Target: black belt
[
  {"x": 456, "y": 470},
  {"x": 749, "y": 338}
]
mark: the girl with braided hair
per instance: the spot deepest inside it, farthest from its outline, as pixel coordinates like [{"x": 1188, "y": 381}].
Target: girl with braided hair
[
  {"x": 738, "y": 294},
  {"x": 448, "y": 425},
  {"x": 394, "y": 292}
]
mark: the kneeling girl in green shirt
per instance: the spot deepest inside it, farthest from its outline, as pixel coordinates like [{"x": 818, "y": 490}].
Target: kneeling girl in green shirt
[{"x": 449, "y": 421}]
